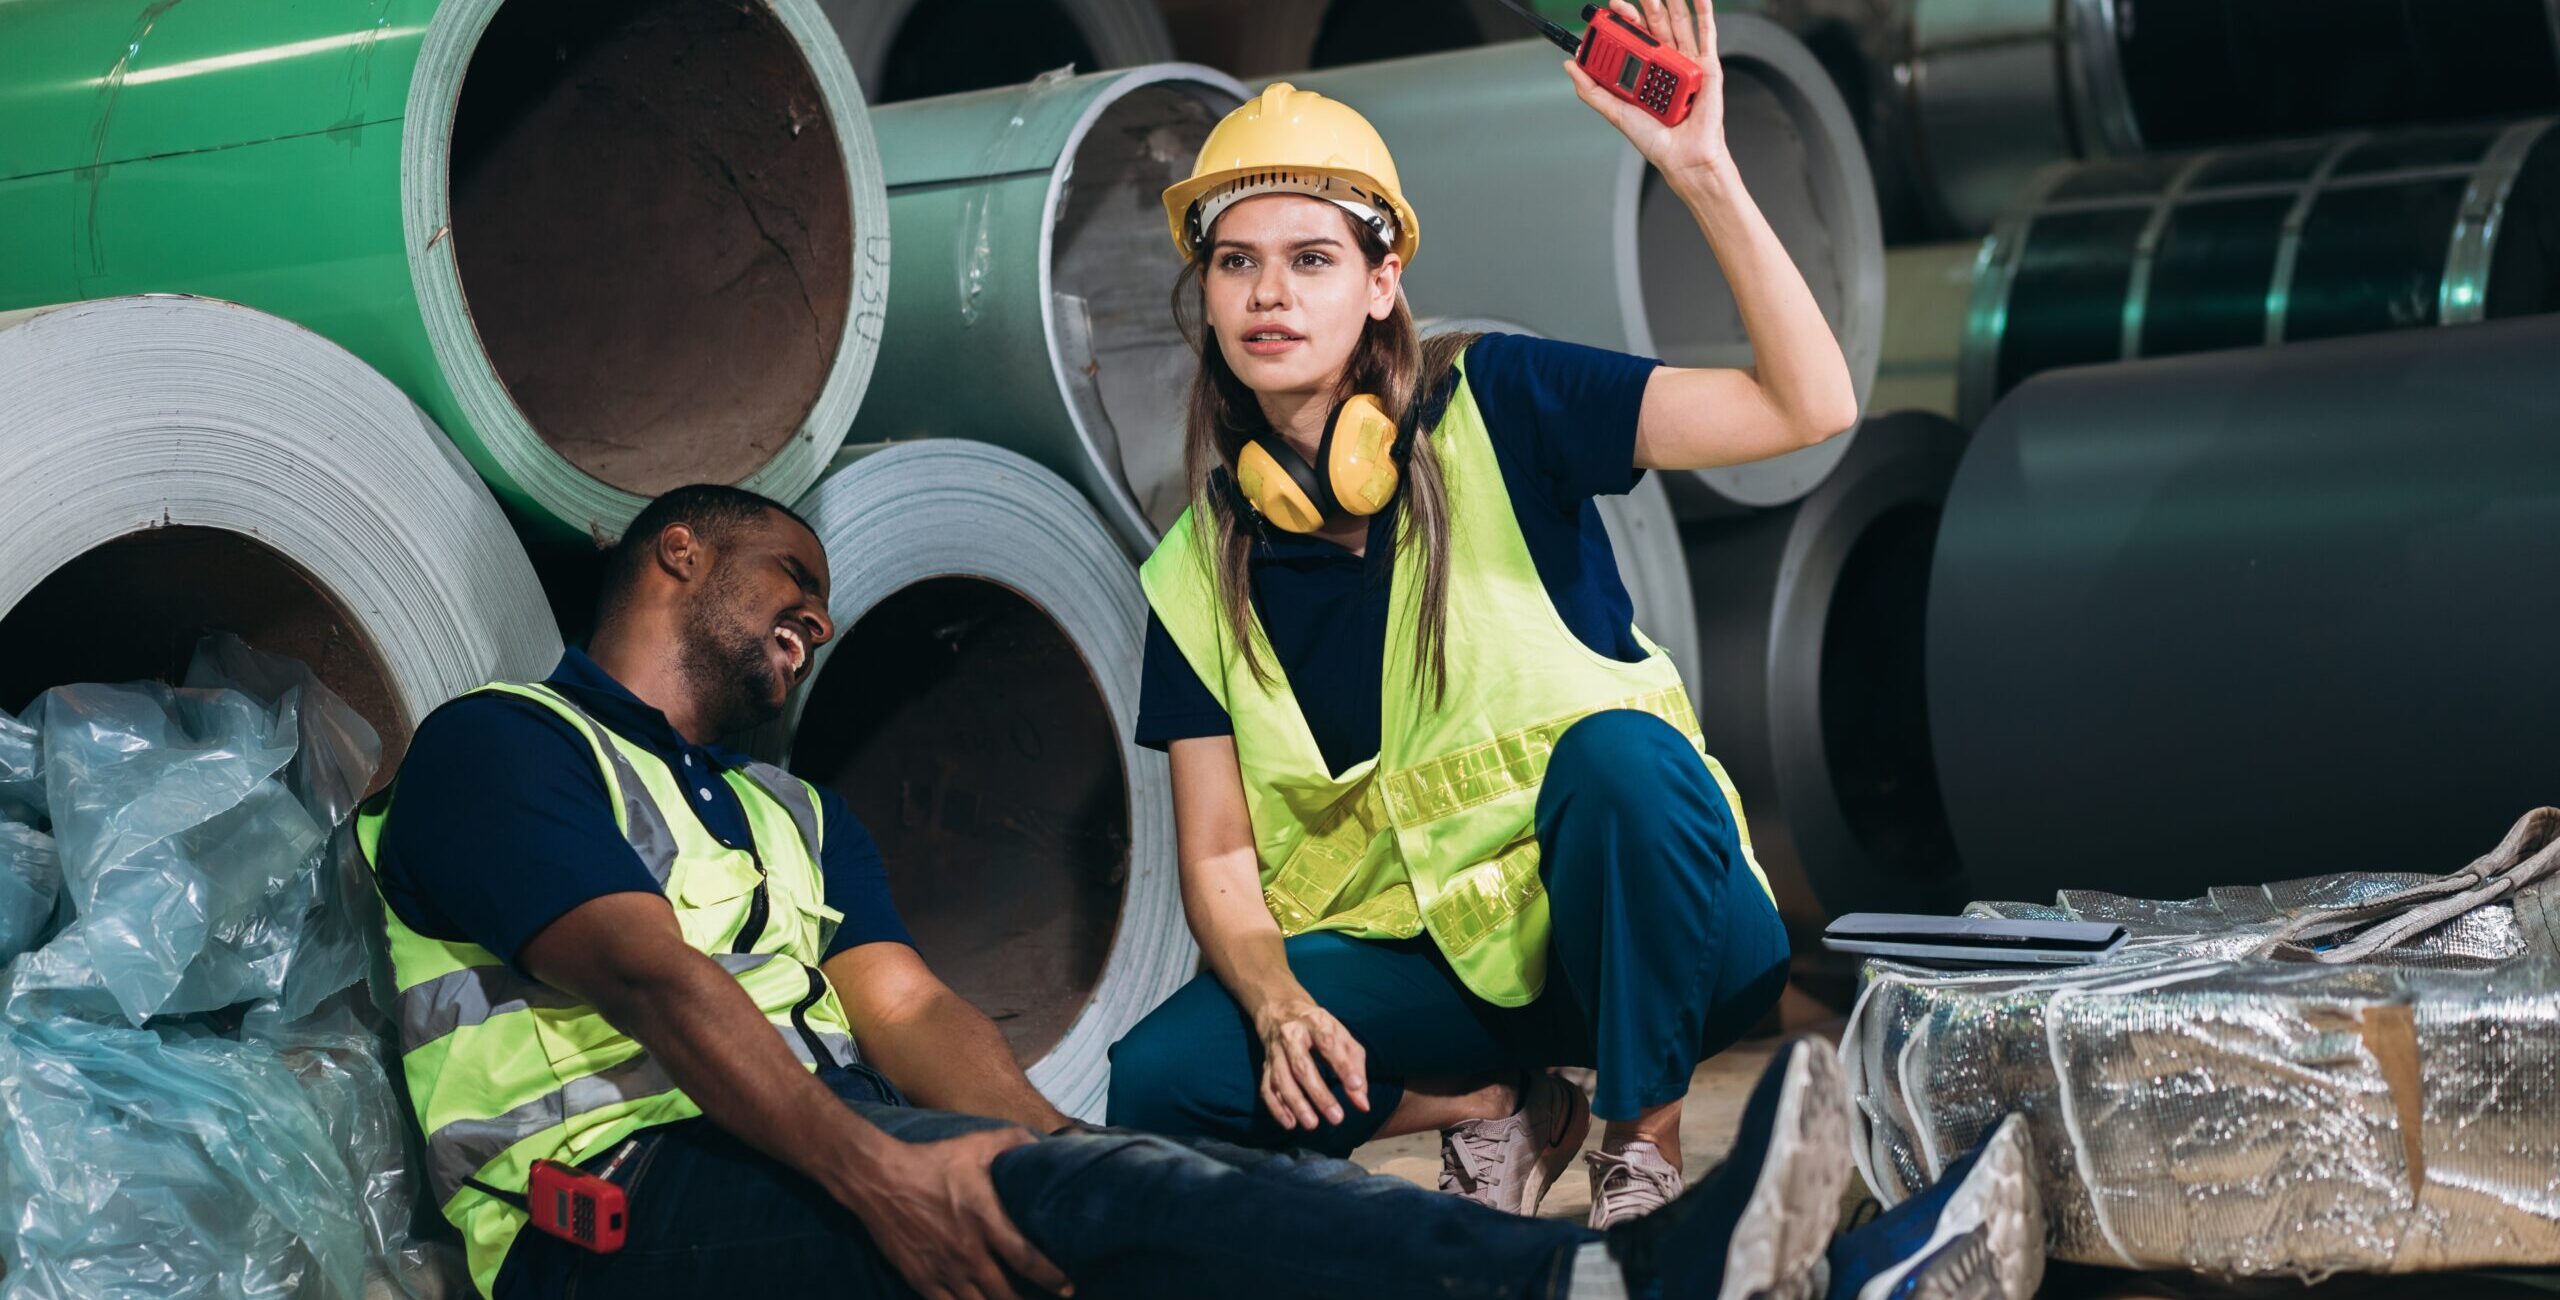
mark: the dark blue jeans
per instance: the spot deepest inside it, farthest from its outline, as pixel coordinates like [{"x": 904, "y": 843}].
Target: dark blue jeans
[
  {"x": 1664, "y": 951},
  {"x": 1124, "y": 1214}
]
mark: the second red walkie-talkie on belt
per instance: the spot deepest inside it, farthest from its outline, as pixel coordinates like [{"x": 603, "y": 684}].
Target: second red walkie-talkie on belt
[{"x": 1627, "y": 61}]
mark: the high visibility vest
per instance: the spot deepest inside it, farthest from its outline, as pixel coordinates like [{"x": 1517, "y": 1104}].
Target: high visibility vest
[
  {"x": 1437, "y": 831},
  {"x": 505, "y": 1070}
]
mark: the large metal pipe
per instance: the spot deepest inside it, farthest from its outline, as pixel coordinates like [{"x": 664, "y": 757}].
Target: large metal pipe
[
  {"x": 1996, "y": 89},
  {"x": 2260, "y": 244},
  {"x": 1035, "y": 279},
  {"x": 976, "y": 709},
  {"x": 1534, "y": 210},
  {"x": 176, "y": 466},
  {"x": 909, "y": 49},
  {"x": 2252, "y": 615},
  {"x": 1809, "y": 623},
  {"x": 610, "y": 247}
]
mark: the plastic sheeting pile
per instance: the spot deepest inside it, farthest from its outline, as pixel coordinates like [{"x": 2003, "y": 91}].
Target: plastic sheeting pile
[
  {"x": 193, "y": 1096},
  {"x": 2197, "y": 1105}
]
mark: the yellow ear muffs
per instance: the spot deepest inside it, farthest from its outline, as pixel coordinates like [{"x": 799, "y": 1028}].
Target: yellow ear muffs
[
  {"x": 1359, "y": 456},
  {"x": 1272, "y": 484},
  {"x": 1359, "y": 478}
]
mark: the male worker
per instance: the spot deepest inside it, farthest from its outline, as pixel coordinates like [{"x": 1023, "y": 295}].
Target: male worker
[{"x": 622, "y": 948}]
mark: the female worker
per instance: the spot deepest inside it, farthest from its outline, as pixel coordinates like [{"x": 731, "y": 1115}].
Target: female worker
[{"x": 1443, "y": 814}]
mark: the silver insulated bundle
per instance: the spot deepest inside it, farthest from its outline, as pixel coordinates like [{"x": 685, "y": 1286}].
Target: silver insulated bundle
[{"x": 2350, "y": 1073}]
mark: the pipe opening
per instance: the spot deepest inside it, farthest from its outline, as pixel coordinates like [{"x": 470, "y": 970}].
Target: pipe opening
[
  {"x": 1687, "y": 304},
  {"x": 949, "y": 46},
  {"x": 134, "y": 608},
  {"x": 1122, "y": 355},
  {"x": 1875, "y": 715},
  {"x": 653, "y": 226},
  {"x": 970, "y": 738}
]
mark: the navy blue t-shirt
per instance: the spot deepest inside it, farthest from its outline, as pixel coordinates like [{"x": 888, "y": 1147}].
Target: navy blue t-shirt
[
  {"x": 501, "y": 822},
  {"x": 1562, "y": 419}
]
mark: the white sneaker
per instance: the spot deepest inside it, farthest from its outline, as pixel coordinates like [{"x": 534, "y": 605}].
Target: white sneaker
[
  {"x": 1510, "y": 1163},
  {"x": 1630, "y": 1184}
]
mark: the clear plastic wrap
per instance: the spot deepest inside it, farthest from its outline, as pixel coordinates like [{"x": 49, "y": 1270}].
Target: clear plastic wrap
[
  {"x": 30, "y": 887},
  {"x": 2199, "y": 1106},
  {"x": 194, "y": 826},
  {"x": 194, "y": 1099},
  {"x": 21, "y": 776}
]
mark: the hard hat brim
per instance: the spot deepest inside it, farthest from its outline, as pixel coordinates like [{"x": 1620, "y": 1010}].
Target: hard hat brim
[{"x": 1180, "y": 198}]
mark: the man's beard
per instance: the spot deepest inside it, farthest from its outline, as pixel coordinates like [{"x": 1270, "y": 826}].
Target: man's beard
[{"x": 729, "y": 665}]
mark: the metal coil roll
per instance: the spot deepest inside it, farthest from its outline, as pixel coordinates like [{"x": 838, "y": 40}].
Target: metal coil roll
[
  {"x": 2251, "y": 615},
  {"x": 976, "y": 709},
  {"x": 611, "y": 248},
  {"x": 175, "y": 466},
  {"x": 2264, "y": 244}
]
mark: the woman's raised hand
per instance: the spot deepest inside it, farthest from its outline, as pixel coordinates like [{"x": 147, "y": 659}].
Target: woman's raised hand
[
  {"x": 1297, "y": 1033},
  {"x": 1697, "y": 144}
]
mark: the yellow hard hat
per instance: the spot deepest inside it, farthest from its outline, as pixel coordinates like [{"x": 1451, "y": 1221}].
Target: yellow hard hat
[{"x": 1292, "y": 141}]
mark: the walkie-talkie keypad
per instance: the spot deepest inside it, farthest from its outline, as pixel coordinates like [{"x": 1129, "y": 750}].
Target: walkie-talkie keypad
[{"x": 1659, "y": 85}]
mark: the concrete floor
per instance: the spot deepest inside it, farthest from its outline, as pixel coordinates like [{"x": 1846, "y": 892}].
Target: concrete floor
[{"x": 1716, "y": 1096}]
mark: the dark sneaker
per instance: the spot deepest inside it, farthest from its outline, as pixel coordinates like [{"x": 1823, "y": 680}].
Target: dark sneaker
[
  {"x": 1510, "y": 1163},
  {"x": 1977, "y": 1234},
  {"x": 1757, "y": 1225}
]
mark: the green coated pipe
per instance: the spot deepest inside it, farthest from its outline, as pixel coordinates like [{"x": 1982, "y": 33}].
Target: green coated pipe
[
  {"x": 1033, "y": 313},
  {"x": 658, "y": 227}
]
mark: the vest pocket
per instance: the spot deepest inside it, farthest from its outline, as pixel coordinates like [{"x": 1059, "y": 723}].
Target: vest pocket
[
  {"x": 712, "y": 895},
  {"x": 818, "y": 925},
  {"x": 577, "y": 1041}
]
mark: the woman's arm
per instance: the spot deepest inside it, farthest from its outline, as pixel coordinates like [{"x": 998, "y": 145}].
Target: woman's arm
[
  {"x": 1798, "y": 390},
  {"x": 1222, "y": 896}
]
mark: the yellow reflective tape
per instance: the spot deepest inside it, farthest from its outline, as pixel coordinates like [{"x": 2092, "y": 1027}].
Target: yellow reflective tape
[
  {"x": 1485, "y": 897},
  {"x": 1507, "y": 764}
]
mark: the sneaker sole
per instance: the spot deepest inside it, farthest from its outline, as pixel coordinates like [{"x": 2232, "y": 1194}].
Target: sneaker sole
[
  {"x": 1998, "y": 1210},
  {"x": 1795, "y": 1203},
  {"x": 1542, "y": 1175}
]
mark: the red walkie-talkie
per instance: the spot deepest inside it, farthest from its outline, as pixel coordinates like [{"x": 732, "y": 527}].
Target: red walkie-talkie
[{"x": 1628, "y": 62}]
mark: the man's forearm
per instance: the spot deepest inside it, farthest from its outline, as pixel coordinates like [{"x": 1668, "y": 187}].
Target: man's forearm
[
  {"x": 699, "y": 1024},
  {"x": 946, "y": 1055}
]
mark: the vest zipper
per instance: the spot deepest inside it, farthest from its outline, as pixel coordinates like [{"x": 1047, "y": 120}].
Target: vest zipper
[
  {"x": 818, "y": 1049},
  {"x": 759, "y": 908}
]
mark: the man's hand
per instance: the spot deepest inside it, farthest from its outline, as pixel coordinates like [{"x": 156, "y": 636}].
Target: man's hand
[{"x": 932, "y": 1208}]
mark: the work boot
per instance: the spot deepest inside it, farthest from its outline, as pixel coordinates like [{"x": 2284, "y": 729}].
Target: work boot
[
  {"x": 1510, "y": 1163},
  {"x": 1756, "y": 1227},
  {"x": 1977, "y": 1234}
]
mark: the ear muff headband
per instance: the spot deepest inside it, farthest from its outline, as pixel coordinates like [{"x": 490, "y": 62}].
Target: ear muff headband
[{"x": 1360, "y": 459}]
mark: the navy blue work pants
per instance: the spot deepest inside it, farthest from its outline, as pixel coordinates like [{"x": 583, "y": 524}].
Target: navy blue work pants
[
  {"x": 1665, "y": 950},
  {"x": 1126, "y": 1215}
]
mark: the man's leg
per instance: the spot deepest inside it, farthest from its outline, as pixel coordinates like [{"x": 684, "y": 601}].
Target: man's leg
[
  {"x": 1665, "y": 939},
  {"x": 712, "y": 1216},
  {"x": 1133, "y": 1215},
  {"x": 1193, "y": 1067}
]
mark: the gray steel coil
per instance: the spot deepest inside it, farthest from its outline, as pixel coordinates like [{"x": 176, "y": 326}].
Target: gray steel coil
[{"x": 2249, "y": 615}]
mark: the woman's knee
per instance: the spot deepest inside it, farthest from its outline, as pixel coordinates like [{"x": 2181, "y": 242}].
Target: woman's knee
[
  {"x": 1169, "y": 1073},
  {"x": 1630, "y": 769}
]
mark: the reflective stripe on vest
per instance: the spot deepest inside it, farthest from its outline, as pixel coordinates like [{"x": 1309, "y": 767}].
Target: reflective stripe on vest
[
  {"x": 1437, "y": 832},
  {"x": 504, "y": 1070}
]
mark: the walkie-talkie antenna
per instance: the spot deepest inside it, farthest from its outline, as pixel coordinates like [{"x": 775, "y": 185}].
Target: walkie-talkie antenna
[{"x": 1565, "y": 40}]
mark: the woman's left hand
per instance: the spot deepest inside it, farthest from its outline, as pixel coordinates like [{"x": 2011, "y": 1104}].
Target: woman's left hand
[{"x": 1697, "y": 144}]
